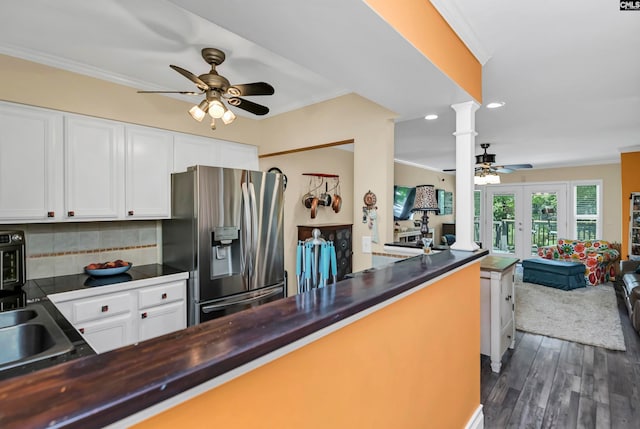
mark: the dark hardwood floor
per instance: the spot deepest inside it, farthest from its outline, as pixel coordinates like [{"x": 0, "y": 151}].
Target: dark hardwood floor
[{"x": 551, "y": 383}]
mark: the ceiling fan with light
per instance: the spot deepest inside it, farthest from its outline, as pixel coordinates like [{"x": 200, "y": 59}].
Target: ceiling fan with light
[
  {"x": 486, "y": 172},
  {"x": 217, "y": 88}
]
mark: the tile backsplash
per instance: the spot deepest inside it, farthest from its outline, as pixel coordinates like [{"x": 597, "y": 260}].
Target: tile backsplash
[{"x": 58, "y": 249}]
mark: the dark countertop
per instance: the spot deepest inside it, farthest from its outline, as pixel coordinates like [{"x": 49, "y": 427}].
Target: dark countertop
[
  {"x": 136, "y": 377},
  {"x": 413, "y": 245},
  {"x": 52, "y": 285},
  {"x": 37, "y": 291}
]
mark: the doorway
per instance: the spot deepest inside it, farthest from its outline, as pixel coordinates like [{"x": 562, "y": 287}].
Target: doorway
[{"x": 519, "y": 219}]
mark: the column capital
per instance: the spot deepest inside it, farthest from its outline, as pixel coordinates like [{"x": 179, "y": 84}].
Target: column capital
[{"x": 470, "y": 106}]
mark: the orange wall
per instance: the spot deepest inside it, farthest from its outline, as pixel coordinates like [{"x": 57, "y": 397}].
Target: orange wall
[
  {"x": 630, "y": 179},
  {"x": 412, "y": 364},
  {"x": 421, "y": 24}
]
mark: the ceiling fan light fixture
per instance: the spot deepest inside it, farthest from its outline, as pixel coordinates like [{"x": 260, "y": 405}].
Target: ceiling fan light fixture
[
  {"x": 486, "y": 179},
  {"x": 216, "y": 109},
  {"x": 198, "y": 112},
  {"x": 228, "y": 117}
]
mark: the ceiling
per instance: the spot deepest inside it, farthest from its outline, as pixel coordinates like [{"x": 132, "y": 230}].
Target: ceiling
[{"x": 567, "y": 71}]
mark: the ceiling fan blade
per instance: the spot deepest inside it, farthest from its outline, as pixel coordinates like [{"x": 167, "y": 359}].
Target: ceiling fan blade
[
  {"x": 192, "y": 77},
  {"x": 517, "y": 166},
  {"x": 171, "y": 92},
  {"x": 503, "y": 169},
  {"x": 256, "y": 88},
  {"x": 249, "y": 106},
  {"x": 449, "y": 169}
]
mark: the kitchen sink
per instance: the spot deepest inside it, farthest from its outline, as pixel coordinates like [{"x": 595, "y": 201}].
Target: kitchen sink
[
  {"x": 16, "y": 317},
  {"x": 29, "y": 335}
]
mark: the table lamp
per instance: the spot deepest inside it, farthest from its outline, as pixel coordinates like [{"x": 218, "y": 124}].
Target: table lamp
[{"x": 425, "y": 202}]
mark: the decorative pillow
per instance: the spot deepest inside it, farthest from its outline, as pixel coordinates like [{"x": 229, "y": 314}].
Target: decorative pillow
[{"x": 572, "y": 248}]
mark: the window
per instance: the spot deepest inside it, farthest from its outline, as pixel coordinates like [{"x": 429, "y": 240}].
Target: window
[{"x": 587, "y": 213}]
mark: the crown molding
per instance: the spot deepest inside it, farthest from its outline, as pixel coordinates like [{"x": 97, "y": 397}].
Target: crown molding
[
  {"x": 456, "y": 20},
  {"x": 71, "y": 66}
]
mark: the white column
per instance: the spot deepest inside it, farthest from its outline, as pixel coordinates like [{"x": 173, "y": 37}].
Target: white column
[{"x": 465, "y": 169}]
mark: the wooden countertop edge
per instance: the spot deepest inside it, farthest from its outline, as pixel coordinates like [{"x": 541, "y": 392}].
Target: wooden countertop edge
[{"x": 99, "y": 390}]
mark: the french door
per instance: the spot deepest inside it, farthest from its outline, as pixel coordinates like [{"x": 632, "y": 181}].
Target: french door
[{"x": 517, "y": 219}]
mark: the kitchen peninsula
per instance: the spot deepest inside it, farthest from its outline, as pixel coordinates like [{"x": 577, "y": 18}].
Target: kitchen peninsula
[{"x": 386, "y": 340}]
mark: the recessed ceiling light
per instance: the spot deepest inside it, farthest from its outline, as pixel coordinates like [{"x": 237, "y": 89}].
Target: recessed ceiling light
[
  {"x": 495, "y": 104},
  {"x": 431, "y": 117}
]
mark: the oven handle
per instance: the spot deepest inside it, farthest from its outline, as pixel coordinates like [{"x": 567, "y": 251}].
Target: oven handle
[{"x": 214, "y": 307}]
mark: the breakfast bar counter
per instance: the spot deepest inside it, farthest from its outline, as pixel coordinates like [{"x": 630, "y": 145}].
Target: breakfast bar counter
[{"x": 128, "y": 385}]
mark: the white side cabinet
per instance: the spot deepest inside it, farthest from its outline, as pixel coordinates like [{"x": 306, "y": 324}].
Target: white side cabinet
[
  {"x": 148, "y": 167},
  {"x": 135, "y": 311},
  {"x": 497, "y": 308},
  {"x": 94, "y": 168},
  {"x": 30, "y": 163}
]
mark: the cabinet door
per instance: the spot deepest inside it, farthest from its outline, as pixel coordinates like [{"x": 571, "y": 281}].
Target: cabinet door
[
  {"x": 236, "y": 155},
  {"x": 109, "y": 333},
  {"x": 161, "y": 320},
  {"x": 193, "y": 150},
  {"x": 30, "y": 163},
  {"x": 94, "y": 170},
  {"x": 149, "y": 162}
]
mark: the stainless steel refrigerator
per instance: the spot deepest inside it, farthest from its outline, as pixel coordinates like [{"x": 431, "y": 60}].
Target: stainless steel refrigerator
[{"x": 226, "y": 229}]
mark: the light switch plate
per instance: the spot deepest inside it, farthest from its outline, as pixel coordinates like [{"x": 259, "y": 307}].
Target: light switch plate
[{"x": 366, "y": 244}]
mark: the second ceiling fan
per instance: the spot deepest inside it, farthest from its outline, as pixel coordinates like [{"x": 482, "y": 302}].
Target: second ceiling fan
[{"x": 485, "y": 161}]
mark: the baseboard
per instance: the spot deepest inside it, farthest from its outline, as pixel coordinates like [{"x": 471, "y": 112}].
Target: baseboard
[{"x": 477, "y": 419}]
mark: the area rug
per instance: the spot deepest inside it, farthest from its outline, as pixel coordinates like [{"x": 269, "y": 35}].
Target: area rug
[{"x": 585, "y": 315}]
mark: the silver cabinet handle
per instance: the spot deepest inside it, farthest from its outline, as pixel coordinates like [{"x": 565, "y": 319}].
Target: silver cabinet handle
[{"x": 214, "y": 307}]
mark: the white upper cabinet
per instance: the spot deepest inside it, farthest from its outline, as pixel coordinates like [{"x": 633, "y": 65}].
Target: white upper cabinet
[
  {"x": 149, "y": 163},
  {"x": 94, "y": 168},
  {"x": 57, "y": 166},
  {"x": 236, "y": 155},
  {"x": 193, "y": 150},
  {"x": 30, "y": 163}
]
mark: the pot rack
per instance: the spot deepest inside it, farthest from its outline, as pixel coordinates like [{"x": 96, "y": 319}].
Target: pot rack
[{"x": 323, "y": 179}]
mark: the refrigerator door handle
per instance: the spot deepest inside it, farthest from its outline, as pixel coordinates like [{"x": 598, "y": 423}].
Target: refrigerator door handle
[
  {"x": 254, "y": 226},
  {"x": 246, "y": 239},
  {"x": 214, "y": 307},
  {"x": 1, "y": 269}
]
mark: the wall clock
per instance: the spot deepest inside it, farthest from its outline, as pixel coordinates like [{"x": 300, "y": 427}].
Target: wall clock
[{"x": 284, "y": 177}]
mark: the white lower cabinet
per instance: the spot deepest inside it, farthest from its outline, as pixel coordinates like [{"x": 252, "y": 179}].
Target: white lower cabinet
[
  {"x": 162, "y": 319},
  {"x": 161, "y": 310},
  {"x": 108, "y": 320},
  {"x": 108, "y": 333}
]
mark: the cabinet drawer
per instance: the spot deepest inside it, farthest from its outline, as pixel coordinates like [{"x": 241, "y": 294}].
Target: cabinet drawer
[
  {"x": 101, "y": 307},
  {"x": 162, "y": 294}
]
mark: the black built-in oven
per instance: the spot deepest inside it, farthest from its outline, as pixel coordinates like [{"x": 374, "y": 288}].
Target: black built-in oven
[{"x": 13, "y": 270}]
